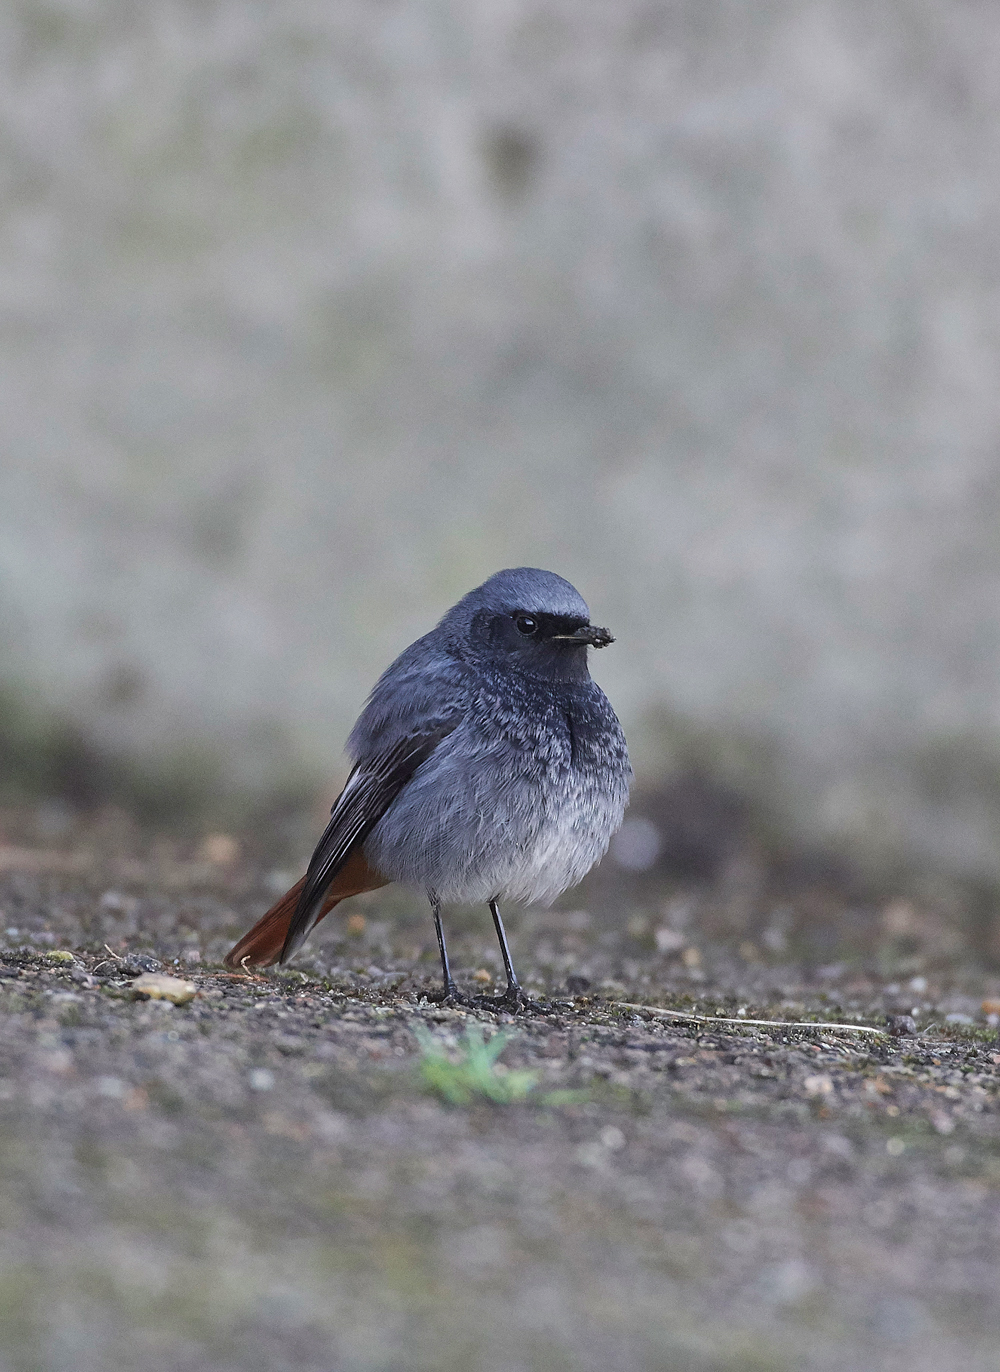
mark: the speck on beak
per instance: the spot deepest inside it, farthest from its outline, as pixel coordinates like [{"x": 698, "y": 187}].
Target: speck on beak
[{"x": 588, "y": 635}]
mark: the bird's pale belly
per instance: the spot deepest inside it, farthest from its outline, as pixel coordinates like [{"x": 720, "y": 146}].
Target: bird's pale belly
[{"x": 538, "y": 861}]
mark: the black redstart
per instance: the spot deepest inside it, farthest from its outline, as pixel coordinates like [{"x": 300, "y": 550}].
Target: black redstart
[{"x": 488, "y": 766}]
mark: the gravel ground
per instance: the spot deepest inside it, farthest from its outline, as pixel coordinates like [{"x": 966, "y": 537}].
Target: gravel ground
[{"x": 262, "y": 1177}]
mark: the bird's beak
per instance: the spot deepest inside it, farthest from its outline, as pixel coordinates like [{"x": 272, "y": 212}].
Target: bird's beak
[{"x": 587, "y": 635}]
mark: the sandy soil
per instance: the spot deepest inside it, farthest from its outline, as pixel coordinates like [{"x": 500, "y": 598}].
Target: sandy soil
[{"x": 262, "y": 1179}]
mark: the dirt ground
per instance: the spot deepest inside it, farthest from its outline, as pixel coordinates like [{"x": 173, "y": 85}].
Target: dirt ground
[{"x": 264, "y": 1179}]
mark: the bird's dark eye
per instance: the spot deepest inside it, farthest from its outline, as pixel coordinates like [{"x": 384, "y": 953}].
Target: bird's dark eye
[{"x": 525, "y": 624}]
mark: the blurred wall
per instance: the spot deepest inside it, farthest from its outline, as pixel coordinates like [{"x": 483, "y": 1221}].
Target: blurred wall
[{"x": 312, "y": 315}]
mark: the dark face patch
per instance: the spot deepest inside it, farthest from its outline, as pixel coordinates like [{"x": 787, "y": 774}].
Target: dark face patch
[{"x": 533, "y": 642}]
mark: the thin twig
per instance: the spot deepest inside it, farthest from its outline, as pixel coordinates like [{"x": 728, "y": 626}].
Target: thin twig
[
  {"x": 116, "y": 957},
  {"x": 820, "y": 1026}
]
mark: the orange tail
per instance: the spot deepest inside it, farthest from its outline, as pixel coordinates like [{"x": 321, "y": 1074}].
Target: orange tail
[{"x": 262, "y": 945}]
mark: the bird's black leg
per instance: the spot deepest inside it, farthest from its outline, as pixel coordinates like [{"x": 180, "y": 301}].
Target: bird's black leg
[
  {"x": 513, "y": 998},
  {"x": 451, "y": 991},
  {"x": 512, "y": 982}
]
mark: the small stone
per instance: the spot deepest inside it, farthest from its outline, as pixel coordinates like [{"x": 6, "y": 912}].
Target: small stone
[
  {"x": 59, "y": 955},
  {"x": 58, "y": 1061},
  {"x": 838, "y": 1145},
  {"x": 774, "y": 939},
  {"x": 991, "y": 1007},
  {"x": 577, "y": 986},
  {"x": 592, "y": 1154},
  {"x": 355, "y": 925},
  {"x": 260, "y": 1079},
  {"x": 668, "y": 940},
  {"x": 153, "y": 987},
  {"x": 220, "y": 849},
  {"x": 691, "y": 957},
  {"x": 818, "y": 1085},
  {"x": 481, "y": 975},
  {"x": 331, "y": 1127},
  {"x": 112, "y": 1088},
  {"x": 899, "y": 918},
  {"x": 134, "y": 964},
  {"x": 901, "y": 1026}
]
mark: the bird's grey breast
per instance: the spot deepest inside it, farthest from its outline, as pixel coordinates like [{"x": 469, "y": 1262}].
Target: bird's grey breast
[{"x": 518, "y": 802}]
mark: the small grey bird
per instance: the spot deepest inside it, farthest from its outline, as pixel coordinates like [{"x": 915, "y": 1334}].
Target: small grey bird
[{"x": 488, "y": 766}]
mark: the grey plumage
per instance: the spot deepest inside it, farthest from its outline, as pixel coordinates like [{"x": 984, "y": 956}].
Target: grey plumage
[
  {"x": 488, "y": 764},
  {"x": 523, "y": 795}
]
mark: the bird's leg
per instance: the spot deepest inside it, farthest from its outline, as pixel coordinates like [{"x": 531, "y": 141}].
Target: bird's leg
[
  {"x": 451, "y": 991},
  {"x": 512, "y": 982},
  {"x": 514, "y": 997}
]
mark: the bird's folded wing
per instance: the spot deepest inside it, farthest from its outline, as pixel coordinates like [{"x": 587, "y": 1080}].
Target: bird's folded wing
[{"x": 371, "y": 788}]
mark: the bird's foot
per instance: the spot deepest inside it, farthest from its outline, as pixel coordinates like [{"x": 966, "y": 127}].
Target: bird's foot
[
  {"x": 451, "y": 997},
  {"x": 512, "y": 1000}
]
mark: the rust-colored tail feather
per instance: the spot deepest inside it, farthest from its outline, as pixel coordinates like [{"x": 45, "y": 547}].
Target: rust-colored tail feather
[{"x": 262, "y": 945}]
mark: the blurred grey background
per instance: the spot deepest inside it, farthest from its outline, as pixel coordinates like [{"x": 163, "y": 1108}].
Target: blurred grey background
[{"x": 313, "y": 315}]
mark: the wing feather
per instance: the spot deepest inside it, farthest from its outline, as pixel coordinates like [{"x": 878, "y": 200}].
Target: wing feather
[{"x": 371, "y": 788}]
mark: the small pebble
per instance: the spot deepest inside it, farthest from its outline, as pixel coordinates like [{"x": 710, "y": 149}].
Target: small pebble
[
  {"x": 153, "y": 987},
  {"x": 220, "y": 849},
  {"x": 112, "y": 1088},
  {"x": 901, "y": 1026},
  {"x": 134, "y": 964},
  {"x": 818, "y": 1085},
  {"x": 668, "y": 940}
]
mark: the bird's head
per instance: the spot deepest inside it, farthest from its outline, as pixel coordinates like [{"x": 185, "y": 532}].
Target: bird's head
[{"x": 529, "y": 621}]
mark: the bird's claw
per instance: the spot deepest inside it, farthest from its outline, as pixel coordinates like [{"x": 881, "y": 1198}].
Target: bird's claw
[
  {"x": 512, "y": 1000},
  {"x": 450, "y": 997}
]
